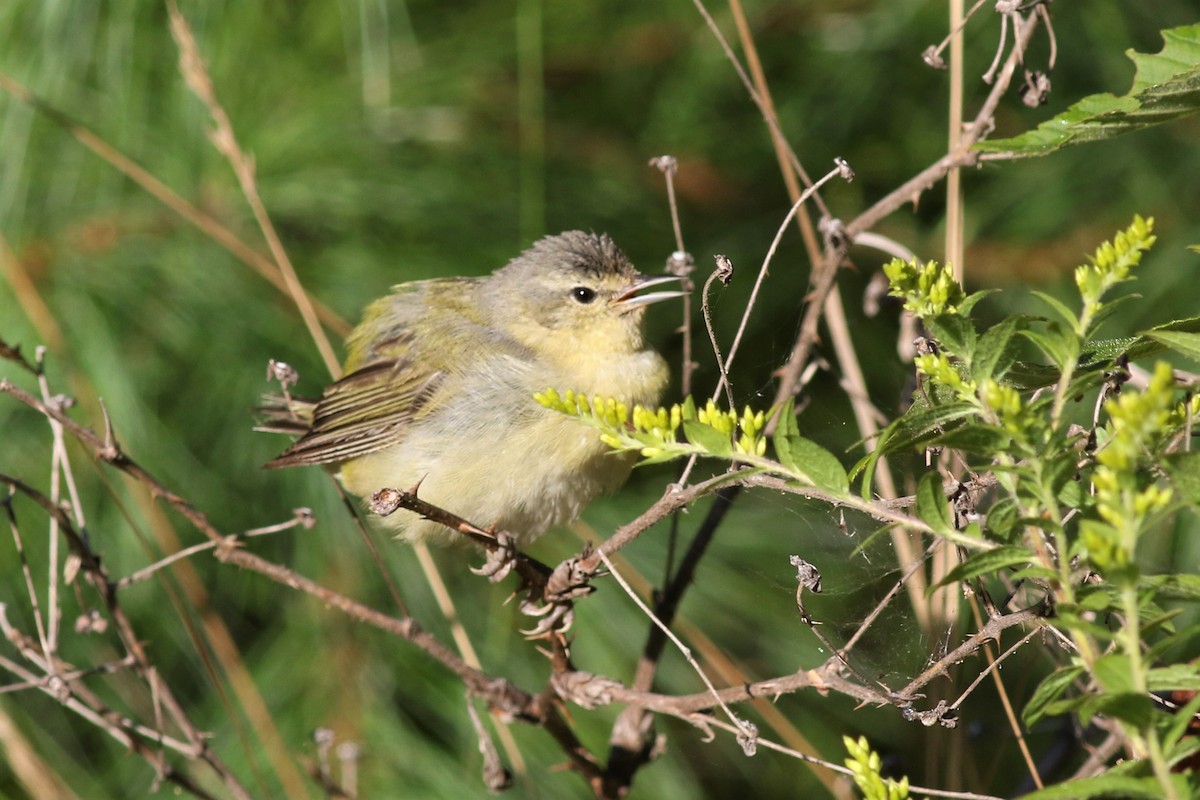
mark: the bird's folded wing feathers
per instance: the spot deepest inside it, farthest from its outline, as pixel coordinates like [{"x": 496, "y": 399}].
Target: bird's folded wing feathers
[
  {"x": 394, "y": 376},
  {"x": 363, "y": 412}
]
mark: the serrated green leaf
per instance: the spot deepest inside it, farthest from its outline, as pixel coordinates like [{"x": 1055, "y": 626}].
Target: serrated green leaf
[
  {"x": 1109, "y": 786},
  {"x": 987, "y": 563},
  {"x": 1187, "y": 344},
  {"x": 978, "y": 438},
  {"x": 1184, "y": 677},
  {"x": 994, "y": 354},
  {"x": 932, "y": 505},
  {"x": 955, "y": 333},
  {"x": 1179, "y": 586},
  {"x": 1002, "y": 519},
  {"x": 1048, "y": 691},
  {"x": 1165, "y": 87},
  {"x": 806, "y": 459},
  {"x": 922, "y": 424},
  {"x": 1025, "y": 375},
  {"x": 708, "y": 439},
  {"x": 1145, "y": 345}
]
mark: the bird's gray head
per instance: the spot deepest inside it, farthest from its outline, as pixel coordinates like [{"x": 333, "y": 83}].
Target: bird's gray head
[{"x": 573, "y": 286}]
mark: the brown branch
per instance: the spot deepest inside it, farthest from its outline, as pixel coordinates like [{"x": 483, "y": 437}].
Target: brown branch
[{"x": 96, "y": 575}]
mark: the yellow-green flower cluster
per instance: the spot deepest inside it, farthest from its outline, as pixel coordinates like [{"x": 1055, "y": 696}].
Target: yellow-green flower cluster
[
  {"x": 749, "y": 427},
  {"x": 927, "y": 288},
  {"x": 1113, "y": 260},
  {"x": 654, "y": 432},
  {"x": 939, "y": 369},
  {"x": 1136, "y": 419},
  {"x": 606, "y": 413},
  {"x": 1005, "y": 403},
  {"x": 751, "y": 443},
  {"x": 717, "y": 418},
  {"x": 865, "y": 764},
  {"x": 661, "y": 422}
]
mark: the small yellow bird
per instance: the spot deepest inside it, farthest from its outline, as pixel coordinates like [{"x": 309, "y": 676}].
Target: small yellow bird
[{"x": 439, "y": 384}]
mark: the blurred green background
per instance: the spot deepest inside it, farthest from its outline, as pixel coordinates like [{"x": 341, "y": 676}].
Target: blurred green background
[{"x": 396, "y": 141}]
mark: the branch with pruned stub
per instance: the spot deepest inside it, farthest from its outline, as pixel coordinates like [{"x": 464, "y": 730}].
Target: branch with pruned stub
[
  {"x": 566, "y": 685},
  {"x": 551, "y": 593}
]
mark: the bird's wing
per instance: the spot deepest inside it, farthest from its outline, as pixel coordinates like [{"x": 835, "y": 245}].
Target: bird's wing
[{"x": 395, "y": 371}]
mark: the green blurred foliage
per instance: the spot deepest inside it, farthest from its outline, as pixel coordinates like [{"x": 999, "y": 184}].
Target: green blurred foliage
[{"x": 395, "y": 141}]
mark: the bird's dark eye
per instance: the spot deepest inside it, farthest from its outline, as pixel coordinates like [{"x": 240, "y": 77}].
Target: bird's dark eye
[{"x": 583, "y": 294}]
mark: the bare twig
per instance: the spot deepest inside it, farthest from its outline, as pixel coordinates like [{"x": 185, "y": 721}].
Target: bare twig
[
  {"x": 679, "y": 263},
  {"x": 723, "y": 273}
]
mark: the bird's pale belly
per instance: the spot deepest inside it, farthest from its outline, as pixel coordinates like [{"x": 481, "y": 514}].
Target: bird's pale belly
[{"x": 524, "y": 477}]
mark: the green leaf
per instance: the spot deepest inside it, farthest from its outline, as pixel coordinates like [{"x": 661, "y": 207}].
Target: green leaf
[
  {"x": 1180, "y": 722},
  {"x": 1187, "y": 344},
  {"x": 964, "y": 308},
  {"x": 1182, "y": 750},
  {"x": 920, "y": 424},
  {"x": 1164, "y": 88},
  {"x": 1047, "y": 692},
  {"x": 987, "y": 563},
  {"x": 1184, "y": 471},
  {"x": 1025, "y": 375},
  {"x": 932, "y": 505},
  {"x": 1034, "y": 574},
  {"x": 993, "y": 355},
  {"x": 980, "y": 438},
  {"x": 708, "y": 438},
  {"x": 955, "y": 333},
  {"x": 1100, "y": 598},
  {"x": 688, "y": 409},
  {"x": 1102, "y": 786},
  {"x": 1113, "y": 671},
  {"x": 1133, "y": 708},
  {"x": 1056, "y": 342},
  {"x": 806, "y": 459},
  {"x": 1179, "y": 586},
  {"x": 1065, "y": 315},
  {"x": 1002, "y": 519},
  {"x": 1176, "y": 676}
]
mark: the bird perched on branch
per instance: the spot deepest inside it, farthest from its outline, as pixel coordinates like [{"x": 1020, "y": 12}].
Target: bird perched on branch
[{"x": 439, "y": 383}]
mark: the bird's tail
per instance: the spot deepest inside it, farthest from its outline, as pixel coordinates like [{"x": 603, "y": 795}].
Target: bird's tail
[{"x": 285, "y": 414}]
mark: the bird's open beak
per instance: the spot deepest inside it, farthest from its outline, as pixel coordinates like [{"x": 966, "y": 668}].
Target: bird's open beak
[{"x": 630, "y": 298}]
